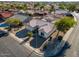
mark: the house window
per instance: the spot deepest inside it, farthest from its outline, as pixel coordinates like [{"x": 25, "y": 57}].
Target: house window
[{"x": 42, "y": 34}]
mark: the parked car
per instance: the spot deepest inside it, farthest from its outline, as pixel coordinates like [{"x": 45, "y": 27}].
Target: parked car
[{"x": 3, "y": 33}]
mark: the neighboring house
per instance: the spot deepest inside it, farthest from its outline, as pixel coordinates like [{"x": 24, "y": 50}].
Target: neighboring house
[
  {"x": 30, "y": 12},
  {"x": 47, "y": 7},
  {"x": 63, "y": 12},
  {"x": 37, "y": 12},
  {"x": 60, "y": 11},
  {"x": 40, "y": 13},
  {"x": 49, "y": 18},
  {"x": 22, "y": 18},
  {"x": 6, "y": 14},
  {"x": 45, "y": 28},
  {"x": 22, "y": 11},
  {"x": 15, "y": 11}
]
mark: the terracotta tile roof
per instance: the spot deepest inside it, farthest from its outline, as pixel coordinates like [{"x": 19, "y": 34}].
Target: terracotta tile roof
[{"x": 6, "y": 14}]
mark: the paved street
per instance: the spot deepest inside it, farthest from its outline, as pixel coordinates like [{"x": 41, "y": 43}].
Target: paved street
[
  {"x": 73, "y": 40},
  {"x": 10, "y": 47}
]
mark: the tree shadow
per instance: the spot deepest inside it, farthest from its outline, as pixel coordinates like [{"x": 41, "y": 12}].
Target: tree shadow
[
  {"x": 63, "y": 50},
  {"x": 24, "y": 41},
  {"x": 49, "y": 53},
  {"x": 52, "y": 43},
  {"x": 37, "y": 41}
]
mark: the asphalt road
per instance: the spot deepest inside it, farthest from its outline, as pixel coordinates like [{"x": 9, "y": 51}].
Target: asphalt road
[
  {"x": 9, "y": 47},
  {"x": 73, "y": 40}
]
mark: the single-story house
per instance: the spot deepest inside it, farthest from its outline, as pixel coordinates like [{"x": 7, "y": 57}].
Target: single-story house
[
  {"x": 45, "y": 28},
  {"x": 22, "y": 18}
]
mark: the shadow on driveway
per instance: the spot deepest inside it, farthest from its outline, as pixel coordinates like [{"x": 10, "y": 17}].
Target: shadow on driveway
[
  {"x": 37, "y": 41},
  {"x": 63, "y": 50},
  {"x": 51, "y": 46}
]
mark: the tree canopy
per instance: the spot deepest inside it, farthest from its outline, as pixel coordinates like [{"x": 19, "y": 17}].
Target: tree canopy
[
  {"x": 13, "y": 21},
  {"x": 39, "y": 5},
  {"x": 70, "y": 7},
  {"x": 64, "y": 24},
  {"x": 22, "y": 6},
  {"x": 62, "y": 6}
]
